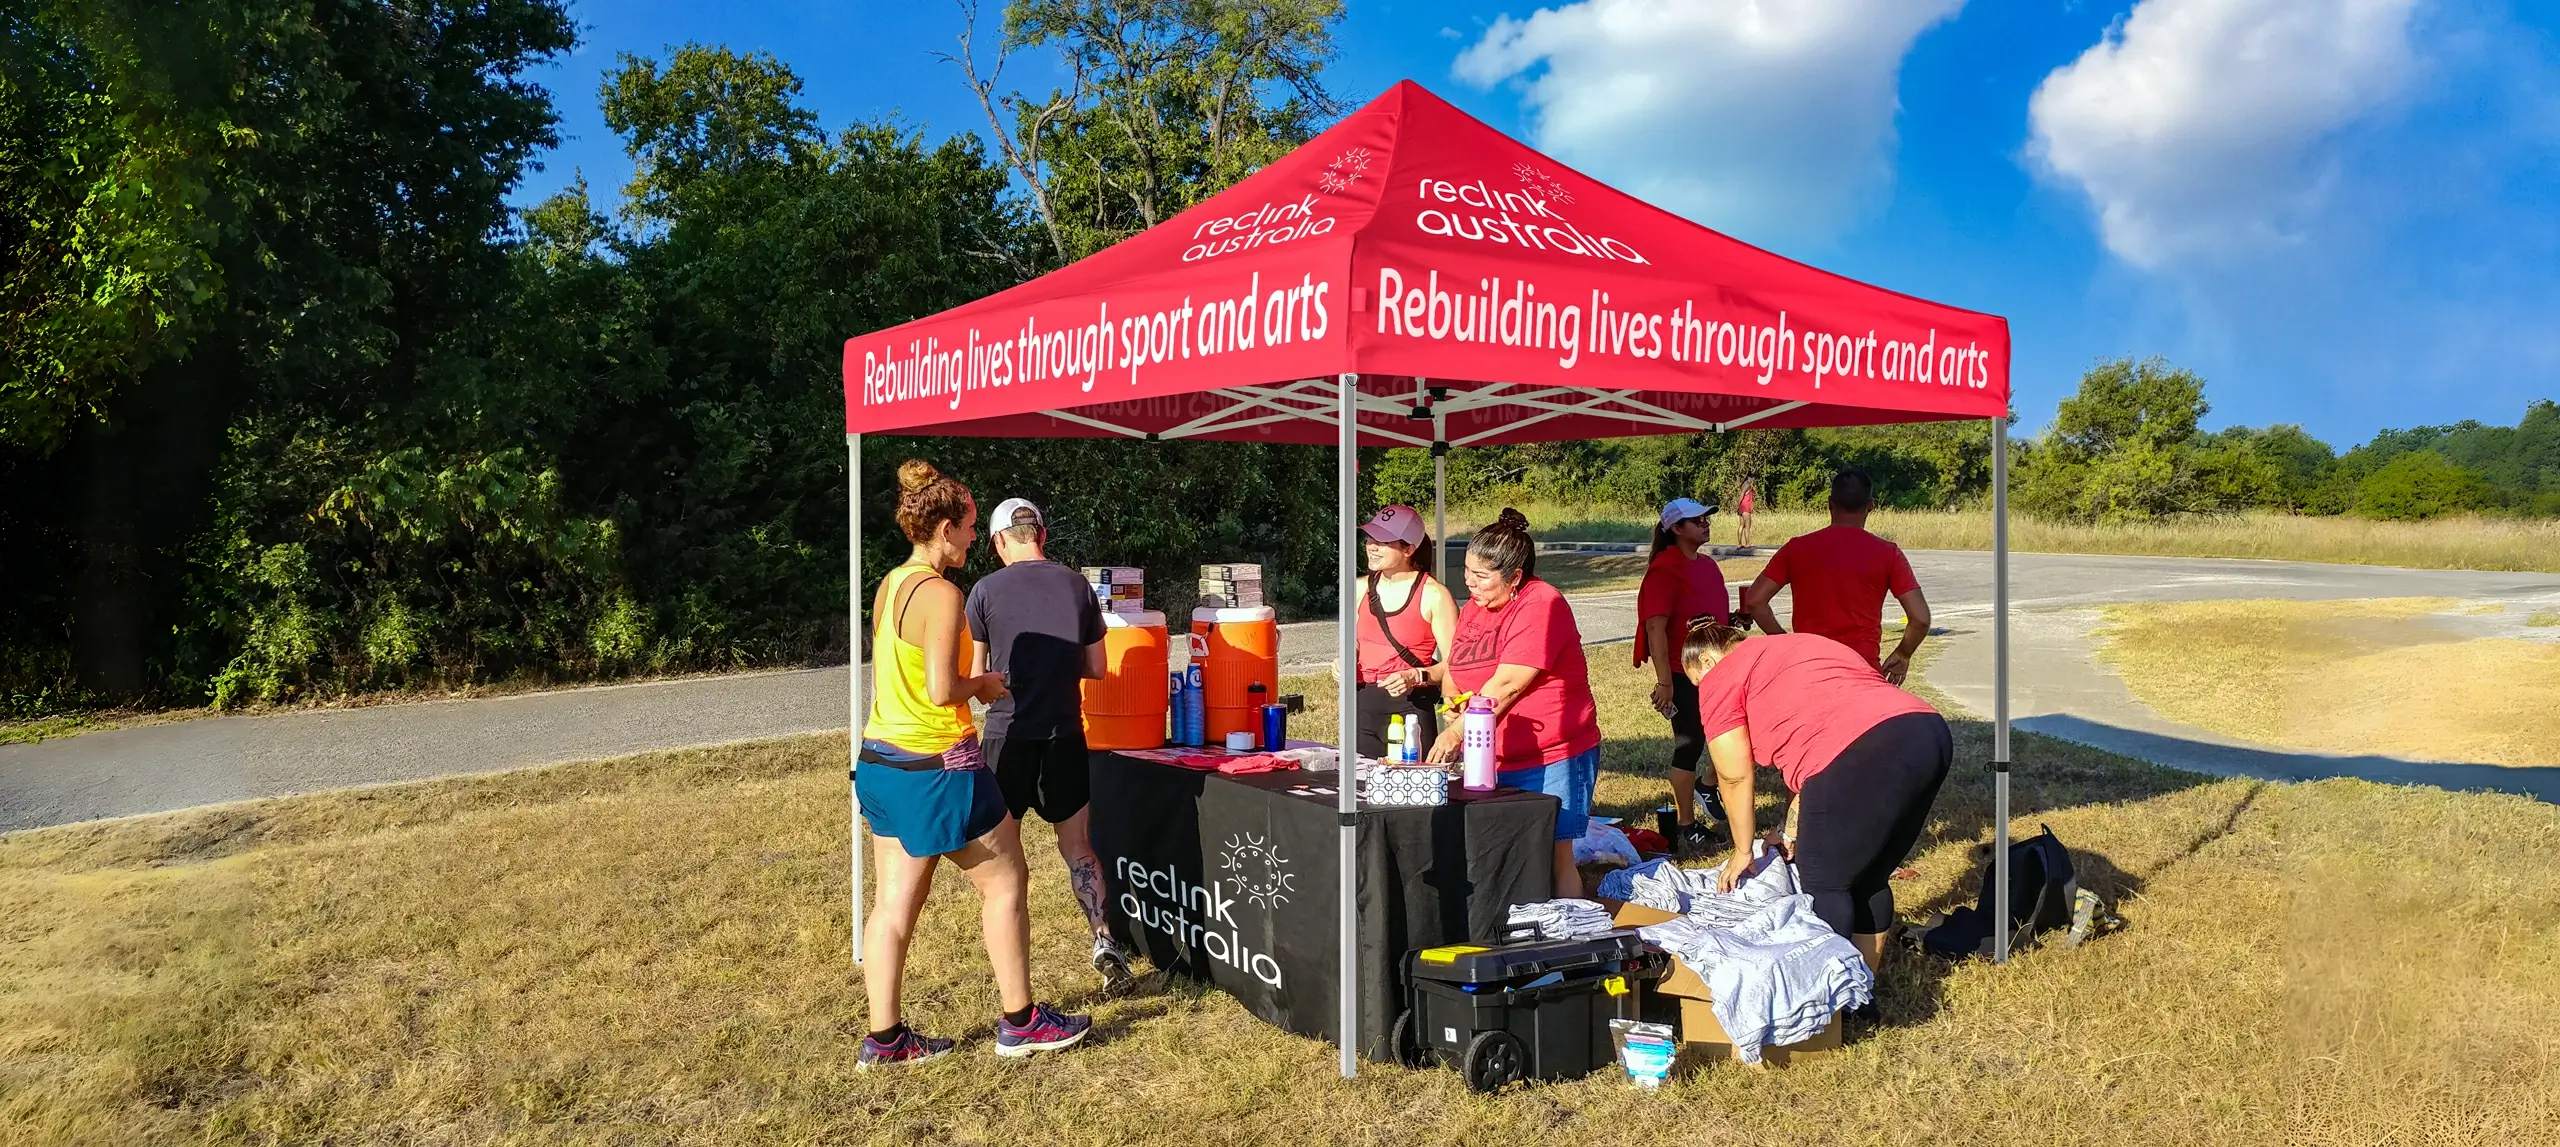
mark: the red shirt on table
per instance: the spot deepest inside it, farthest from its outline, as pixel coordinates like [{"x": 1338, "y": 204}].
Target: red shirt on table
[
  {"x": 1556, "y": 718},
  {"x": 1681, "y": 589},
  {"x": 1802, "y": 696},
  {"x": 1841, "y": 575}
]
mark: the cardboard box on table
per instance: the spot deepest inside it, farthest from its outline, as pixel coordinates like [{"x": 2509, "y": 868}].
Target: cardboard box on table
[{"x": 1699, "y": 1029}]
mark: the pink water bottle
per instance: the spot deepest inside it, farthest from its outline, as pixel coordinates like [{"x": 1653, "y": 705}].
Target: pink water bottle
[{"x": 1476, "y": 745}]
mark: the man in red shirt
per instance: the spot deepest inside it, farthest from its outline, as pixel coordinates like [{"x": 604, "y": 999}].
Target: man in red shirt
[{"x": 1841, "y": 575}]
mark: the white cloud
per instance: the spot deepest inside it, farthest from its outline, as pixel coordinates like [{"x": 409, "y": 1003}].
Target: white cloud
[
  {"x": 2207, "y": 128},
  {"x": 1765, "y": 120}
]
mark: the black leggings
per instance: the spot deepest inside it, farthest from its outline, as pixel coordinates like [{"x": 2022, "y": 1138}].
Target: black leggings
[
  {"x": 1859, "y": 817},
  {"x": 1688, "y": 733}
]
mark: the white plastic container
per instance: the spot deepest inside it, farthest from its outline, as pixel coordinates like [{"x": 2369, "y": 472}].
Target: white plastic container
[{"x": 1476, "y": 746}]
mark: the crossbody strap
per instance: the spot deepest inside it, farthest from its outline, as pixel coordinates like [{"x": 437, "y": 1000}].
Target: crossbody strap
[{"x": 1378, "y": 609}]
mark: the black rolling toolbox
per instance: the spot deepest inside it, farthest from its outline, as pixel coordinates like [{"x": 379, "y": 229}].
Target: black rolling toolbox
[{"x": 1538, "y": 1009}]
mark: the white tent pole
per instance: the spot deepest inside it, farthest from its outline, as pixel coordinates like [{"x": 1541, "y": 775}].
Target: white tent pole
[
  {"x": 853, "y": 668},
  {"x": 1347, "y": 677},
  {"x": 2000, "y": 687}
]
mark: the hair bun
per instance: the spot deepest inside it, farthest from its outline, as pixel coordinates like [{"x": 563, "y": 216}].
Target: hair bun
[
  {"x": 1512, "y": 519},
  {"x": 916, "y": 474}
]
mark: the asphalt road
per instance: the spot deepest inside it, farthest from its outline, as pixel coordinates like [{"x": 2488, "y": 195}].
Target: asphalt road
[{"x": 2056, "y": 687}]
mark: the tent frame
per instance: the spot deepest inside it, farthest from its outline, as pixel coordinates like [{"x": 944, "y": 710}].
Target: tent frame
[
  {"x": 1318, "y": 400},
  {"x": 1339, "y": 402}
]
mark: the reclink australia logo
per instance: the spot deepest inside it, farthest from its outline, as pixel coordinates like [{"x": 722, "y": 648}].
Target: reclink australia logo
[
  {"x": 1481, "y": 212},
  {"x": 1258, "y": 870},
  {"x": 1201, "y": 917},
  {"x": 1277, "y": 222}
]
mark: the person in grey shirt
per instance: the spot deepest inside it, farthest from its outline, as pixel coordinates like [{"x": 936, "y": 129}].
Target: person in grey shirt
[{"x": 1037, "y": 622}]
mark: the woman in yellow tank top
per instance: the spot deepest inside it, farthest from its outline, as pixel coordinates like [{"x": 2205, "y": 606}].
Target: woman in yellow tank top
[{"x": 925, "y": 788}]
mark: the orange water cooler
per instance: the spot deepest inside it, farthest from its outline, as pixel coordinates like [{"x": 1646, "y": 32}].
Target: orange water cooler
[
  {"x": 1244, "y": 650},
  {"x": 1125, "y": 710}
]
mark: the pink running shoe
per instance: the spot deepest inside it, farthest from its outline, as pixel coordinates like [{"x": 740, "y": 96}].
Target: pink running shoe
[
  {"x": 1048, "y": 1030},
  {"x": 908, "y": 1047}
]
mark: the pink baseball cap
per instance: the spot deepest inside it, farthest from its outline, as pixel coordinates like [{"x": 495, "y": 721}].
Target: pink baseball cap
[{"x": 1394, "y": 524}]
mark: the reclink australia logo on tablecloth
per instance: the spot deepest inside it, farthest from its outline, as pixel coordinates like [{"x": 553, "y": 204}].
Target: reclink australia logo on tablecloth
[
  {"x": 1280, "y": 220},
  {"x": 1258, "y": 870},
  {"x": 1202, "y": 917}
]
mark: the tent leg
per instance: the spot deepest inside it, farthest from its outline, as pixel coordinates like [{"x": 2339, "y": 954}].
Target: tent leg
[
  {"x": 1440, "y": 499},
  {"x": 2000, "y": 687},
  {"x": 1347, "y": 677},
  {"x": 853, "y": 670}
]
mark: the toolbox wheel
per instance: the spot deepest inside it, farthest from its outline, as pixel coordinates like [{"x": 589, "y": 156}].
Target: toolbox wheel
[
  {"x": 1405, "y": 1042},
  {"x": 1494, "y": 1059}
]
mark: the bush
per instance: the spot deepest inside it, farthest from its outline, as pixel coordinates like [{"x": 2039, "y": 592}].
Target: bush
[{"x": 2419, "y": 485}]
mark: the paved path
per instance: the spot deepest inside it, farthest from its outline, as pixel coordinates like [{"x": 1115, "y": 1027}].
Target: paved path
[
  {"x": 2058, "y": 688},
  {"x": 152, "y": 768}
]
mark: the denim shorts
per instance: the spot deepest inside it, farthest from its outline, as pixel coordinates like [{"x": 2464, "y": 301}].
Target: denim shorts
[{"x": 1569, "y": 780}]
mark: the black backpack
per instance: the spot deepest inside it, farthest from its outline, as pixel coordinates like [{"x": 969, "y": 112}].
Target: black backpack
[{"x": 2042, "y": 887}]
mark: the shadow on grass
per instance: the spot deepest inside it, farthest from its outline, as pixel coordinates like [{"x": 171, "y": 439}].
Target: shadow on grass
[
  {"x": 2047, "y": 775},
  {"x": 2541, "y": 782}
]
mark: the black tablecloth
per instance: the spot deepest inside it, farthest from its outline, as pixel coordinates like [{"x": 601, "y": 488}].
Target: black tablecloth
[{"x": 1236, "y": 880}]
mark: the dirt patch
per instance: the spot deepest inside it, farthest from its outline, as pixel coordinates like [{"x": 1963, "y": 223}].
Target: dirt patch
[{"x": 2345, "y": 677}]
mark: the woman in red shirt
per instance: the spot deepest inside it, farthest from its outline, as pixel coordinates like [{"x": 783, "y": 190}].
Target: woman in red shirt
[
  {"x": 1518, "y": 645},
  {"x": 1863, "y": 757},
  {"x": 1407, "y": 619},
  {"x": 1681, "y": 584}
]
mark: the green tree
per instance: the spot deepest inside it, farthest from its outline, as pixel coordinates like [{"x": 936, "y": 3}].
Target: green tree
[
  {"x": 2417, "y": 485},
  {"x": 2123, "y": 448},
  {"x": 2122, "y": 403},
  {"x": 108, "y": 166},
  {"x": 1167, "y": 103},
  {"x": 287, "y": 208}
]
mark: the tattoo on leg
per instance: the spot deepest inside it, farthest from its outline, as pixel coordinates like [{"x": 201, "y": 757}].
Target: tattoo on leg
[{"x": 1085, "y": 874}]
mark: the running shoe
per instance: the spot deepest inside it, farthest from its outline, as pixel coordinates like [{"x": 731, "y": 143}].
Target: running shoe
[
  {"x": 1696, "y": 837},
  {"x": 1048, "y": 1030},
  {"x": 1113, "y": 964},
  {"x": 908, "y": 1047},
  {"x": 1710, "y": 799}
]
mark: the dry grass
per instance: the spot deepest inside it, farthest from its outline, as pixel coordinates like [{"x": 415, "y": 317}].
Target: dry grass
[
  {"x": 2445, "y": 543},
  {"x": 2348, "y": 677},
  {"x": 651, "y": 950}
]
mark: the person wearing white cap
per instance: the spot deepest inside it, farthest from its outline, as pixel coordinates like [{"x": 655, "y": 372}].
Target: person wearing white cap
[
  {"x": 1682, "y": 585},
  {"x": 1036, "y": 622},
  {"x": 1406, "y": 620}
]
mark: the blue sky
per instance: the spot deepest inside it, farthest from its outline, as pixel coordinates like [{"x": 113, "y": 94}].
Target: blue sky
[{"x": 2343, "y": 213}]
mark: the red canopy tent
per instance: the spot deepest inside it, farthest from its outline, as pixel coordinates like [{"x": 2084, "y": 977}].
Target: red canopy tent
[{"x": 1413, "y": 277}]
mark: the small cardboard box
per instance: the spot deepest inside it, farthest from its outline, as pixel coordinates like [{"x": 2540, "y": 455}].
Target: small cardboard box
[{"x": 1698, "y": 1027}]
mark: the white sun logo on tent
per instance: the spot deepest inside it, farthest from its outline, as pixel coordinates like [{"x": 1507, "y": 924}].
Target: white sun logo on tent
[
  {"x": 1344, "y": 171},
  {"x": 1541, "y": 182},
  {"x": 1259, "y": 871}
]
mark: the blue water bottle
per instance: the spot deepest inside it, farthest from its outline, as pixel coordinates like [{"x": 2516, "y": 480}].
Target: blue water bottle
[{"x": 1195, "y": 707}]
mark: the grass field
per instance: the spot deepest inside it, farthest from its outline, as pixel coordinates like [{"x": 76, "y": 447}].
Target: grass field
[
  {"x": 2341, "y": 676},
  {"x": 652, "y": 950},
  {"x": 2444, "y": 543}
]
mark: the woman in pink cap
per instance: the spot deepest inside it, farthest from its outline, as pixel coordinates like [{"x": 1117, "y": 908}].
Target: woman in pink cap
[{"x": 1406, "y": 619}]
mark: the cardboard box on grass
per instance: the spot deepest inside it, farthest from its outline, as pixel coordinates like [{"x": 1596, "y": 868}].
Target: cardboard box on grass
[{"x": 1699, "y": 1030}]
